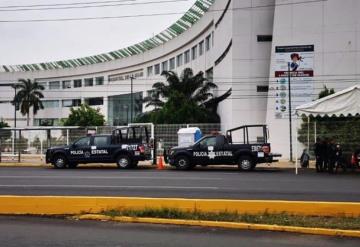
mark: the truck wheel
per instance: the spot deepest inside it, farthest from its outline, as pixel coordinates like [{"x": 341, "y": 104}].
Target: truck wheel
[
  {"x": 246, "y": 163},
  {"x": 134, "y": 164},
  {"x": 60, "y": 161},
  {"x": 183, "y": 163},
  {"x": 123, "y": 162},
  {"x": 73, "y": 165}
]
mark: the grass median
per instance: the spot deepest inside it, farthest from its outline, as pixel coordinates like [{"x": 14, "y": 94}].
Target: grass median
[{"x": 345, "y": 223}]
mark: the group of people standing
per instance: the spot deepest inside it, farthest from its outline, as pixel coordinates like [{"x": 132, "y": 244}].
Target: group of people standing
[{"x": 328, "y": 156}]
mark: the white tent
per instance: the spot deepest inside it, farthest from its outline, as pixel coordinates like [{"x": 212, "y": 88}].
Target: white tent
[
  {"x": 342, "y": 103},
  {"x": 345, "y": 103}
]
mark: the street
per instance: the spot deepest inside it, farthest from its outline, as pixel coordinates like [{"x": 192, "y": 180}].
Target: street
[
  {"x": 276, "y": 184},
  {"x": 34, "y": 231}
]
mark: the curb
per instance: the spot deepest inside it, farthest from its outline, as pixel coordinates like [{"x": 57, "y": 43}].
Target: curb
[
  {"x": 75, "y": 205},
  {"x": 223, "y": 224}
]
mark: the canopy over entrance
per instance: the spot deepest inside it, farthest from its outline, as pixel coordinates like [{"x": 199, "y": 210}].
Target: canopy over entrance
[{"x": 342, "y": 103}]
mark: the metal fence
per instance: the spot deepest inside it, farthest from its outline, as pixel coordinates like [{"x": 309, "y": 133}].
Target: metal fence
[{"x": 29, "y": 144}]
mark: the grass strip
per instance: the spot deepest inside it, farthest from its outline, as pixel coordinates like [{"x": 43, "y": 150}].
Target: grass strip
[{"x": 345, "y": 223}]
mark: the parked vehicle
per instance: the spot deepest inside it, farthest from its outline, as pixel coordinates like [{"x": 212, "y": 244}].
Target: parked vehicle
[
  {"x": 126, "y": 146},
  {"x": 245, "y": 146}
]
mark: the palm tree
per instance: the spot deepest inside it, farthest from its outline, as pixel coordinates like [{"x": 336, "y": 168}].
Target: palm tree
[
  {"x": 193, "y": 91},
  {"x": 28, "y": 96}
]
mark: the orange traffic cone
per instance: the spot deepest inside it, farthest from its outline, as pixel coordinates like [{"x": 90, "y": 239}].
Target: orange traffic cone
[{"x": 160, "y": 164}]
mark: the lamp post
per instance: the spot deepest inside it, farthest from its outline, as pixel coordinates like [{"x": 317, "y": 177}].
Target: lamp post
[
  {"x": 126, "y": 107},
  {"x": 131, "y": 98},
  {"x": 290, "y": 118}
]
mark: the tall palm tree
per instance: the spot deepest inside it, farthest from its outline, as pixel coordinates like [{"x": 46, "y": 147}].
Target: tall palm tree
[
  {"x": 28, "y": 96},
  {"x": 193, "y": 87},
  {"x": 188, "y": 88}
]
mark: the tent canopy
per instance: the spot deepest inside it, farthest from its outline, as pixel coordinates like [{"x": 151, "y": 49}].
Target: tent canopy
[{"x": 342, "y": 103}]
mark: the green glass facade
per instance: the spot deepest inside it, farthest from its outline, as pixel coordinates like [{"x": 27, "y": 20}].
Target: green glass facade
[{"x": 119, "y": 108}]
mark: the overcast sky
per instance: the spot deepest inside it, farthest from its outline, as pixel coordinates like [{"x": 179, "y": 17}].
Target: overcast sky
[{"x": 32, "y": 42}]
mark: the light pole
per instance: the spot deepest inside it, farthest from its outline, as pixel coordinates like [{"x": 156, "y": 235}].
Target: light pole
[
  {"x": 131, "y": 98},
  {"x": 126, "y": 107},
  {"x": 290, "y": 118}
]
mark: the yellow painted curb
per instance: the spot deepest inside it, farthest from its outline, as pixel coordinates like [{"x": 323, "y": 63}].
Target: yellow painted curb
[
  {"x": 11, "y": 164},
  {"x": 222, "y": 224},
  {"x": 72, "y": 205}
]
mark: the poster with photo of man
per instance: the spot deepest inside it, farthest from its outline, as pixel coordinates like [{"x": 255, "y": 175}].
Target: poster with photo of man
[{"x": 300, "y": 61}]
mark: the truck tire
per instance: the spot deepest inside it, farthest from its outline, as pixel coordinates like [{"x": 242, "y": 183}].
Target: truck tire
[
  {"x": 123, "y": 161},
  {"x": 134, "y": 164},
  {"x": 73, "y": 165},
  {"x": 60, "y": 161},
  {"x": 183, "y": 163},
  {"x": 246, "y": 163}
]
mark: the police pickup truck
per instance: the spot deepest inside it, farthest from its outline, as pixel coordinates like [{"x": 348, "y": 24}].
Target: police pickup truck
[
  {"x": 245, "y": 146},
  {"x": 126, "y": 146}
]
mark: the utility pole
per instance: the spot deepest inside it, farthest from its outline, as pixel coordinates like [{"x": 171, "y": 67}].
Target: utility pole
[
  {"x": 15, "y": 106},
  {"x": 131, "y": 98},
  {"x": 290, "y": 118}
]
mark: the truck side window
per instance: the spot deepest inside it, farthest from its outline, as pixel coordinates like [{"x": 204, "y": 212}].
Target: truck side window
[
  {"x": 85, "y": 141},
  {"x": 101, "y": 140},
  {"x": 210, "y": 141},
  {"x": 220, "y": 141}
]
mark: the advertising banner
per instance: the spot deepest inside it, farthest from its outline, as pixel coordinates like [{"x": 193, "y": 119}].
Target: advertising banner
[{"x": 300, "y": 60}]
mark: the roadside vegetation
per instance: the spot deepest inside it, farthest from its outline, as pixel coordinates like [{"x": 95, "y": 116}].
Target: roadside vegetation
[{"x": 345, "y": 223}]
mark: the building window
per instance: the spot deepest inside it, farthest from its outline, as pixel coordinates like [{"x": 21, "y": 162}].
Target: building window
[
  {"x": 46, "y": 122},
  {"x": 194, "y": 52},
  {"x": 99, "y": 81},
  {"x": 54, "y": 85},
  {"x": 76, "y": 102},
  {"x": 201, "y": 48},
  {"x": 212, "y": 39},
  {"x": 264, "y": 38},
  {"x": 67, "y": 103},
  {"x": 71, "y": 102},
  {"x": 187, "y": 56},
  {"x": 172, "y": 63},
  {"x": 207, "y": 42},
  {"x": 149, "y": 71},
  {"x": 66, "y": 84},
  {"x": 179, "y": 60},
  {"x": 50, "y": 103},
  {"x": 78, "y": 83},
  {"x": 95, "y": 101},
  {"x": 262, "y": 89},
  {"x": 209, "y": 75},
  {"x": 157, "y": 69},
  {"x": 89, "y": 82},
  {"x": 165, "y": 66}
]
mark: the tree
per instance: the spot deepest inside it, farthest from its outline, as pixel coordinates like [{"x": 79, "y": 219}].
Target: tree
[
  {"x": 184, "y": 99},
  {"x": 326, "y": 92},
  {"x": 4, "y": 134},
  {"x": 84, "y": 116},
  {"x": 28, "y": 96}
]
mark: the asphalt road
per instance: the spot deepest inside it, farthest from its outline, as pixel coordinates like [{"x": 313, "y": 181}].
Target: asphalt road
[
  {"x": 32, "y": 231},
  {"x": 203, "y": 183}
]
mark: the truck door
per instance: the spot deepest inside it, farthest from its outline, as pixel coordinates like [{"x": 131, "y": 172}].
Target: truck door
[
  {"x": 80, "y": 151},
  {"x": 101, "y": 148},
  {"x": 223, "y": 152},
  {"x": 204, "y": 151}
]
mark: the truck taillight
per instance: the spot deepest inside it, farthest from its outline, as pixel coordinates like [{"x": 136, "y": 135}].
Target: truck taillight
[
  {"x": 142, "y": 149},
  {"x": 265, "y": 149}
]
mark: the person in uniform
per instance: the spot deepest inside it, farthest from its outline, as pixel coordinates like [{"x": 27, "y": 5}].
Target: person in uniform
[
  {"x": 332, "y": 156},
  {"x": 317, "y": 151}
]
